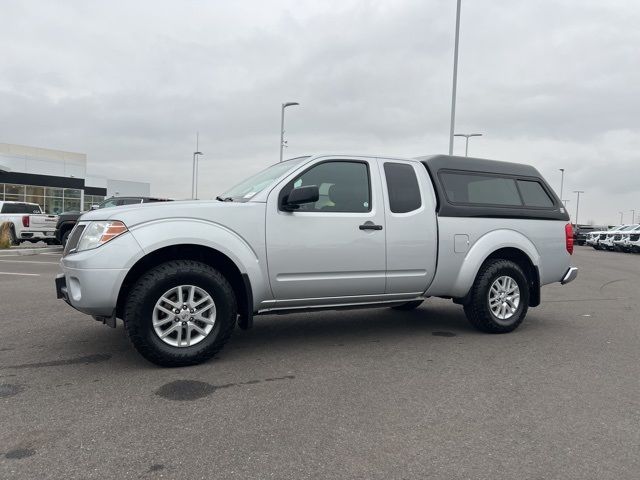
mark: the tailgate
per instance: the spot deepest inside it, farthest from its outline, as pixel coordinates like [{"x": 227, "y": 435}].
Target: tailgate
[{"x": 44, "y": 222}]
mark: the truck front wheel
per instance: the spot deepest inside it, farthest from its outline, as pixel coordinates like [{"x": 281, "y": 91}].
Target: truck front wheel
[
  {"x": 499, "y": 297},
  {"x": 65, "y": 238},
  {"x": 180, "y": 313}
]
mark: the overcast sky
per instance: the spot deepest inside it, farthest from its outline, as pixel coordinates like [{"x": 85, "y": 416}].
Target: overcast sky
[{"x": 554, "y": 83}]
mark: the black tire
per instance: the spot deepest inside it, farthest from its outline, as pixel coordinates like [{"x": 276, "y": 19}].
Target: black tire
[
  {"x": 13, "y": 238},
  {"x": 477, "y": 309},
  {"x": 152, "y": 285},
  {"x": 65, "y": 238},
  {"x": 405, "y": 307}
]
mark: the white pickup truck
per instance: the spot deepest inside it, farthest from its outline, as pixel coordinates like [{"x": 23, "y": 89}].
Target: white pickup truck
[
  {"x": 28, "y": 223},
  {"x": 321, "y": 232}
]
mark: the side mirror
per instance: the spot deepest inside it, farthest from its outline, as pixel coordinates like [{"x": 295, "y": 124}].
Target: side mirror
[
  {"x": 95, "y": 207},
  {"x": 300, "y": 196}
]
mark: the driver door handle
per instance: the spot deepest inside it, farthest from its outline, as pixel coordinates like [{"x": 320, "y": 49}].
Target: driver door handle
[{"x": 370, "y": 226}]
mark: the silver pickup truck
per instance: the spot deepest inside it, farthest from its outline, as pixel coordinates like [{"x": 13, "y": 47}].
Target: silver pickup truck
[{"x": 321, "y": 232}]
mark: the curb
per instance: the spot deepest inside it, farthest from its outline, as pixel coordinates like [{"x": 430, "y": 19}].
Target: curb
[{"x": 18, "y": 252}]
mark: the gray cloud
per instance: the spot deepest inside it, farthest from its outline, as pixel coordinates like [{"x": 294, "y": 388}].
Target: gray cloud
[{"x": 553, "y": 83}]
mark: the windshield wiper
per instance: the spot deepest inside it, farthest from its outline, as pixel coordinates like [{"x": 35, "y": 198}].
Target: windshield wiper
[{"x": 224, "y": 199}]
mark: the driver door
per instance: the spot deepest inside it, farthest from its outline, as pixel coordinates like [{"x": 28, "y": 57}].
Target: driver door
[{"x": 332, "y": 250}]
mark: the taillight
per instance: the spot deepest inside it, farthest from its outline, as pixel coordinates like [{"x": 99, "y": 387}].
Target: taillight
[
  {"x": 25, "y": 221},
  {"x": 568, "y": 233}
]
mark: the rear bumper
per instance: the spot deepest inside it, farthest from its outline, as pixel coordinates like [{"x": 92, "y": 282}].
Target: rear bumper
[
  {"x": 570, "y": 275},
  {"x": 27, "y": 235}
]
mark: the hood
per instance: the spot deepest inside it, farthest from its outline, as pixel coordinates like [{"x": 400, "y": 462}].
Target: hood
[{"x": 207, "y": 210}]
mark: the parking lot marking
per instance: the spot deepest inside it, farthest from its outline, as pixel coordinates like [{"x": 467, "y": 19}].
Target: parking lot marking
[
  {"x": 28, "y": 261},
  {"x": 25, "y": 274}
]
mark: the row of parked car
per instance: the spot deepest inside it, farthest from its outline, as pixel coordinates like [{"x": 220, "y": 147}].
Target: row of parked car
[
  {"x": 28, "y": 223},
  {"x": 621, "y": 238}
]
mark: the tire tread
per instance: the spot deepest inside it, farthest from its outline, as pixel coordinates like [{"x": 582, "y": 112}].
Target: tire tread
[
  {"x": 136, "y": 297},
  {"x": 476, "y": 309}
]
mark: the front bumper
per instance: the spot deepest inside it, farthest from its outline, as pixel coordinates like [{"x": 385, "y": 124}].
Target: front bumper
[
  {"x": 570, "y": 275},
  {"x": 90, "y": 280},
  {"x": 90, "y": 291},
  {"x": 61, "y": 287}
]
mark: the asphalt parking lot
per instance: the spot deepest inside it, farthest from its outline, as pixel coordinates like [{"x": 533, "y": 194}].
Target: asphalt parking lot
[{"x": 371, "y": 394}]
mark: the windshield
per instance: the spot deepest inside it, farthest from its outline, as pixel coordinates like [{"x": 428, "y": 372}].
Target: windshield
[
  {"x": 258, "y": 182},
  {"x": 108, "y": 203}
]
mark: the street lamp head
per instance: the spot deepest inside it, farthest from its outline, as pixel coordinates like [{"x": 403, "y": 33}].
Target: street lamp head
[
  {"x": 198, "y": 153},
  {"x": 467, "y": 135},
  {"x": 561, "y": 169},
  {"x": 289, "y": 104}
]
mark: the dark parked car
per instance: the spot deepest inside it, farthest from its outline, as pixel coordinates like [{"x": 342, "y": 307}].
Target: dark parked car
[
  {"x": 580, "y": 232},
  {"x": 68, "y": 220}
]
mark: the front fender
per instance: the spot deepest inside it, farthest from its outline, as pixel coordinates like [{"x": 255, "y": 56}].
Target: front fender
[
  {"x": 483, "y": 248},
  {"x": 248, "y": 258}
]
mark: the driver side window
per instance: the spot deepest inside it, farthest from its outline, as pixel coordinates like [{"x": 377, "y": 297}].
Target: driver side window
[{"x": 344, "y": 186}]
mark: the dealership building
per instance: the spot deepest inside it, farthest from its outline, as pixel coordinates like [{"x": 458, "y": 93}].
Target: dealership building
[{"x": 57, "y": 180}]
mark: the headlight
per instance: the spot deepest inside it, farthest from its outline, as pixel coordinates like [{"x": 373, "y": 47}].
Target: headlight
[{"x": 99, "y": 233}]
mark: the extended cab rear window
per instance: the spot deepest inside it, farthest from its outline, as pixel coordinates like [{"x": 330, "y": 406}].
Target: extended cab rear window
[
  {"x": 20, "y": 208},
  {"x": 402, "y": 187},
  {"x": 488, "y": 189}
]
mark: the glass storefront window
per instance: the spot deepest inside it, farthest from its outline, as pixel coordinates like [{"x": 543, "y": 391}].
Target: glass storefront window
[
  {"x": 71, "y": 205},
  {"x": 52, "y": 200},
  {"x": 35, "y": 199},
  {"x": 53, "y": 205},
  {"x": 92, "y": 200},
  {"x": 10, "y": 189},
  {"x": 53, "y": 192},
  {"x": 71, "y": 193},
  {"x": 35, "y": 191}
]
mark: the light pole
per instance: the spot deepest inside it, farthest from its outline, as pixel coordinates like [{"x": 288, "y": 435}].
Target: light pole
[
  {"x": 577, "y": 203},
  {"x": 561, "y": 182},
  {"x": 455, "y": 79},
  {"x": 194, "y": 172},
  {"x": 467, "y": 136},
  {"x": 621, "y": 217},
  {"x": 284, "y": 105},
  {"x": 194, "y": 176},
  {"x": 633, "y": 215}
]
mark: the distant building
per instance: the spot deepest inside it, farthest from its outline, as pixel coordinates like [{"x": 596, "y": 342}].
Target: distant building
[{"x": 57, "y": 180}]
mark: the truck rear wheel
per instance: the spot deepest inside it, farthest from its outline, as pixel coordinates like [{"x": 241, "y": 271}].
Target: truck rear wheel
[
  {"x": 499, "y": 297},
  {"x": 180, "y": 313},
  {"x": 13, "y": 237}
]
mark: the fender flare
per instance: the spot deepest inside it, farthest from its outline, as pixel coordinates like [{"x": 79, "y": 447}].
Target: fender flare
[
  {"x": 483, "y": 248},
  {"x": 152, "y": 236}
]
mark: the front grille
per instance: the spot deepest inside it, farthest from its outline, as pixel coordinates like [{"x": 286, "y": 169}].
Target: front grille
[
  {"x": 603, "y": 236},
  {"x": 74, "y": 238},
  {"x": 635, "y": 237},
  {"x": 617, "y": 237}
]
